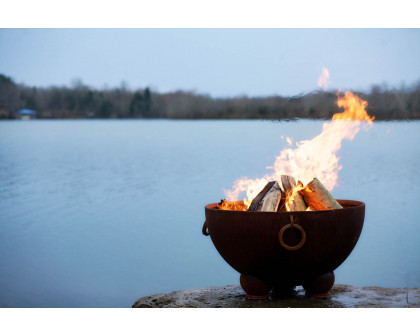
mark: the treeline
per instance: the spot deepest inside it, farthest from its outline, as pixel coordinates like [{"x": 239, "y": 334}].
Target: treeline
[{"x": 81, "y": 101}]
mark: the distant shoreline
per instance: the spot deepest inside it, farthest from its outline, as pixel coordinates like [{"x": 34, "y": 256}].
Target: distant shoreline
[
  {"x": 204, "y": 119},
  {"x": 84, "y": 102}
]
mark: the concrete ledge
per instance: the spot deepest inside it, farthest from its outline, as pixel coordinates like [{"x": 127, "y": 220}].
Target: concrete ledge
[{"x": 342, "y": 296}]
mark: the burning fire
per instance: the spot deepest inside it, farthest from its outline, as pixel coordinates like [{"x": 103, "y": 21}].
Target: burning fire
[
  {"x": 233, "y": 205},
  {"x": 292, "y": 194},
  {"x": 311, "y": 158}
]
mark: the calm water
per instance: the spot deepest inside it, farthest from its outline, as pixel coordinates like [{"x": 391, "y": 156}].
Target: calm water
[{"x": 99, "y": 213}]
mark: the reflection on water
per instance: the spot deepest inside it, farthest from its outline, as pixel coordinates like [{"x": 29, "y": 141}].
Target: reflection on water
[{"x": 99, "y": 213}]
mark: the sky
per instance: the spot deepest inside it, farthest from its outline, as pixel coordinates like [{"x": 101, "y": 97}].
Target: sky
[{"x": 217, "y": 62}]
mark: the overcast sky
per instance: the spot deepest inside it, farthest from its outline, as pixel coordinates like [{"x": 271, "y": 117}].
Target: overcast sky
[{"x": 219, "y": 62}]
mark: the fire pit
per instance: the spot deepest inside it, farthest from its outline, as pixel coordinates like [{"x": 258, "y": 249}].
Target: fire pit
[
  {"x": 289, "y": 230},
  {"x": 285, "y": 249}
]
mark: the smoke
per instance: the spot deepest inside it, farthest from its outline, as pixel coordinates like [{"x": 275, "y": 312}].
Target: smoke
[{"x": 324, "y": 79}]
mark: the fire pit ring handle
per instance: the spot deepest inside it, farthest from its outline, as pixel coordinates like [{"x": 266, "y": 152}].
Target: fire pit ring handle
[
  {"x": 205, "y": 229},
  {"x": 288, "y": 247}
]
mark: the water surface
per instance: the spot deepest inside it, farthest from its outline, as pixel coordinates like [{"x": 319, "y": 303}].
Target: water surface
[{"x": 98, "y": 213}]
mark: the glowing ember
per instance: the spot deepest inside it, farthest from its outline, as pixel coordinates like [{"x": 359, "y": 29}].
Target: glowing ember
[
  {"x": 235, "y": 205},
  {"x": 290, "y": 196},
  {"x": 312, "y": 158}
]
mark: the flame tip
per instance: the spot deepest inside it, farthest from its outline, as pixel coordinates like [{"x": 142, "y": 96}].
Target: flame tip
[{"x": 315, "y": 157}]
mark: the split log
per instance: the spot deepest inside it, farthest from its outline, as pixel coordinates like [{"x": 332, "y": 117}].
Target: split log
[
  {"x": 272, "y": 199},
  {"x": 293, "y": 200},
  {"x": 257, "y": 201},
  {"x": 282, "y": 200},
  {"x": 288, "y": 182},
  {"x": 318, "y": 197}
]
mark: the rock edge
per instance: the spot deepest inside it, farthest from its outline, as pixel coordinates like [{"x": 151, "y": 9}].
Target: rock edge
[{"x": 231, "y": 296}]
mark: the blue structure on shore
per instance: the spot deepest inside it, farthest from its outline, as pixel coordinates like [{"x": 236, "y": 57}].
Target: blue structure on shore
[{"x": 26, "y": 114}]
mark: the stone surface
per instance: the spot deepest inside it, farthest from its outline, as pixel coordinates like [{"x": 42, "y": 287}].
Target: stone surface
[{"x": 342, "y": 296}]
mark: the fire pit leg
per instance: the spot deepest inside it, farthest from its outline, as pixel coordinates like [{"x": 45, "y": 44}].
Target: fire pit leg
[
  {"x": 255, "y": 289},
  {"x": 320, "y": 286}
]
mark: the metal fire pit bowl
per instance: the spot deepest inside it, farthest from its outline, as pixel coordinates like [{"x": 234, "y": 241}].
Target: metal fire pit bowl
[{"x": 281, "y": 250}]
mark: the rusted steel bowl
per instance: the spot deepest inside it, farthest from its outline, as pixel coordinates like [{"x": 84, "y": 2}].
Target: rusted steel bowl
[{"x": 286, "y": 249}]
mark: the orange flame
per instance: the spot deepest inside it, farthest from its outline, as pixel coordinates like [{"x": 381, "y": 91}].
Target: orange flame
[
  {"x": 312, "y": 158},
  {"x": 290, "y": 196},
  {"x": 235, "y": 205}
]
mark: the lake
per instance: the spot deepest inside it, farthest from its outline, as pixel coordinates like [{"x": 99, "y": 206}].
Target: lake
[{"x": 97, "y": 213}]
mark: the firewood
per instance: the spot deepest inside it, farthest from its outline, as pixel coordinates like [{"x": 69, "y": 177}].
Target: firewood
[
  {"x": 272, "y": 199},
  {"x": 293, "y": 200},
  {"x": 318, "y": 197},
  {"x": 288, "y": 182},
  {"x": 282, "y": 200},
  {"x": 257, "y": 201}
]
